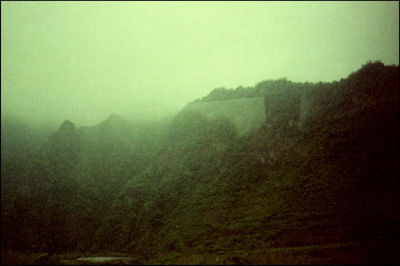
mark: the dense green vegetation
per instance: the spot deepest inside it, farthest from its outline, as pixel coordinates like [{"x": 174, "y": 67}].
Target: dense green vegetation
[{"x": 316, "y": 183}]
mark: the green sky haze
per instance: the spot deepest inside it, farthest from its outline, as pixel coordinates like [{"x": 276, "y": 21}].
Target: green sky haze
[{"x": 84, "y": 60}]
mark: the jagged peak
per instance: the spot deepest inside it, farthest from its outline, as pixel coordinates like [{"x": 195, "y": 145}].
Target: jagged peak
[
  {"x": 66, "y": 130},
  {"x": 113, "y": 120},
  {"x": 67, "y": 126}
]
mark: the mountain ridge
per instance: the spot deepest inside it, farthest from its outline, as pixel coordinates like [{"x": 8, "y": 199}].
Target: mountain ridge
[{"x": 321, "y": 168}]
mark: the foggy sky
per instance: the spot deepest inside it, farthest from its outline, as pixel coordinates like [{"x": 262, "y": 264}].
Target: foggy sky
[{"x": 84, "y": 60}]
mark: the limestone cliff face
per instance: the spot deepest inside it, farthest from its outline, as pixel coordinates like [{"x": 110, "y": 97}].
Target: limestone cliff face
[
  {"x": 246, "y": 114},
  {"x": 294, "y": 111}
]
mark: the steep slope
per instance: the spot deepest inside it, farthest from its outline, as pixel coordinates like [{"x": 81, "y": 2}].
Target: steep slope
[
  {"x": 314, "y": 181},
  {"x": 322, "y": 170},
  {"x": 246, "y": 114},
  {"x": 61, "y": 193},
  {"x": 20, "y": 144}
]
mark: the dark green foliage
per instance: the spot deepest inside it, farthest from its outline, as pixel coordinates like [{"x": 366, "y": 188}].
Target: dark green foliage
[
  {"x": 321, "y": 174},
  {"x": 68, "y": 184},
  {"x": 261, "y": 89}
]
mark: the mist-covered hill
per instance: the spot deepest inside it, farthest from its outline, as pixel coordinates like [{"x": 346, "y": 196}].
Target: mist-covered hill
[
  {"x": 56, "y": 196},
  {"x": 315, "y": 181}
]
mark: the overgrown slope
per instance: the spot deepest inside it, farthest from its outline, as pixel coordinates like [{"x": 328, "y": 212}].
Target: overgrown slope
[
  {"x": 322, "y": 169},
  {"x": 316, "y": 182}
]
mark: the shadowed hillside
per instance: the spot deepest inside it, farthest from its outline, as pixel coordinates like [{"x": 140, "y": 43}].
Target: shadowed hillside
[{"x": 282, "y": 172}]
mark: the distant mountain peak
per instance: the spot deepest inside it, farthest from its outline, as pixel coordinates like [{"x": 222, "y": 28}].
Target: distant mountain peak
[
  {"x": 113, "y": 117},
  {"x": 65, "y": 132},
  {"x": 67, "y": 126},
  {"x": 113, "y": 121}
]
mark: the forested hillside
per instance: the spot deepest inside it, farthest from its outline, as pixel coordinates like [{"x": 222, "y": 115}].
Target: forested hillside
[{"x": 315, "y": 182}]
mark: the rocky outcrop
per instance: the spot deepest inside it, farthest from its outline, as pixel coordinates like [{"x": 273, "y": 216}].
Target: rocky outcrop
[{"x": 246, "y": 114}]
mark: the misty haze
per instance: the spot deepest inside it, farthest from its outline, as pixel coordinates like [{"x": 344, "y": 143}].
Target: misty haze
[{"x": 199, "y": 132}]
